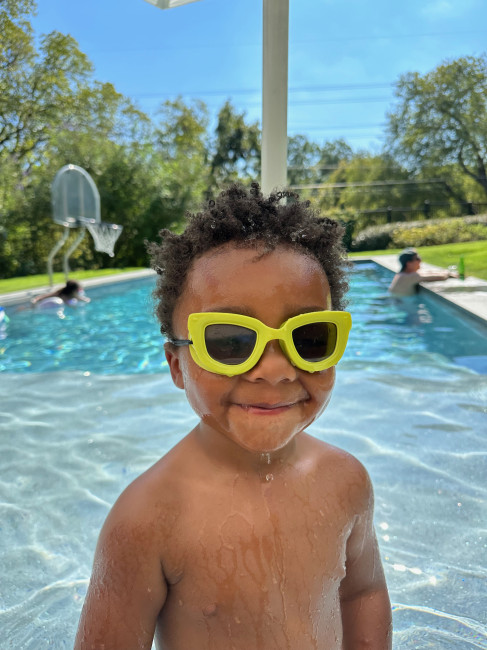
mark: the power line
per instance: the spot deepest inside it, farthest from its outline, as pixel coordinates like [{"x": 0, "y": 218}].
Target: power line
[
  {"x": 325, "y": 127},
  {"x": 250, "y": 91},
  {"x": 330, "y": 186},
  {"x": 323, "y": 39}
]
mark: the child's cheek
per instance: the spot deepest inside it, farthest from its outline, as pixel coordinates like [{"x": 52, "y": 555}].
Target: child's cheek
[
  {"x": 320, "y": 387},
  {"x": 204, "y": 390}
]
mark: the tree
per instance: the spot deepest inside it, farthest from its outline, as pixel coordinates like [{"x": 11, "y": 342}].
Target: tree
[
  {"x": 52, "y": 113},
  {"x": 38, "y": 92},
  {"x": 440, "y": 120},
  {"x": 181, "y": 155},
  {"x": 302, "y": 159},
  {"x": 332, "y": 154},
  {"x": 309, "y": 164},
  {"x": 236, "y": 149},
  {"x": 366, "y": 182}
]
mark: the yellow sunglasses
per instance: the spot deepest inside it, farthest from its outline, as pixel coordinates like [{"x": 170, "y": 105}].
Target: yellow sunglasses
[{"x": 231, "y": 344}]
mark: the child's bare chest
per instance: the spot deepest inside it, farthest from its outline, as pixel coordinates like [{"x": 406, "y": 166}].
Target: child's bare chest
[{"x": 268, "y": 571}]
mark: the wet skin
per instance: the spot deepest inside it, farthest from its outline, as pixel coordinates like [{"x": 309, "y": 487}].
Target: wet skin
[{"x": 249, "y": 533}]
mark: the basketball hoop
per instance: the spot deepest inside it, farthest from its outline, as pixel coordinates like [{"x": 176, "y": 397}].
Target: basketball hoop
[
  {"x": 76, "y": 204},
  {"x": 104, "y": 235}
]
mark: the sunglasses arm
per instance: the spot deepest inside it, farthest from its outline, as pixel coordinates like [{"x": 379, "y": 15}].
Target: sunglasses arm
[{"x": 179, "y": 343}]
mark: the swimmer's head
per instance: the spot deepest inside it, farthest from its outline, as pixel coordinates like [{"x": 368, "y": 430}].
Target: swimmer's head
[
  {"x": 408, "y": 255},
  {"x": 70, "y": 289},
  {"x": 246, "y": 219}
]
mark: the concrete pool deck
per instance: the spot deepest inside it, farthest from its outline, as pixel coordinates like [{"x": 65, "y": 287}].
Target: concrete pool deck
[{"x": 469, "y": 295}]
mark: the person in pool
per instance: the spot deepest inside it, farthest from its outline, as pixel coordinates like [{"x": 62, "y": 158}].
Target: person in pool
[
  {"x": 69, "y": 294},
  {"x": 250, "y": 533},
  {"x": 406, "y": 282}
]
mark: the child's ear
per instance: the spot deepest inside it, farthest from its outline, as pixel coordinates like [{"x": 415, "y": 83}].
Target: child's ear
[{"x": 172, "y": 358}]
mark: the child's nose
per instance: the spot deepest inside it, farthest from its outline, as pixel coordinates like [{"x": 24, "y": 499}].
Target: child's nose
[{"x": 273, "y": 366}]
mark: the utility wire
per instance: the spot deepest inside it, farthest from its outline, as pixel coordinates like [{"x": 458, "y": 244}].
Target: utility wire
[{"x": 326, "y": 186}]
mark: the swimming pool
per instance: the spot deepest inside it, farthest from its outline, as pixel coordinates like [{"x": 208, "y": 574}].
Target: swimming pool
[{"x": 87, "y": 405}]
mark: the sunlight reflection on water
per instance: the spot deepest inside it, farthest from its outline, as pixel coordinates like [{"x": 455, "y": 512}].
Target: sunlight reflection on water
[{"x": 70, "y": 441}]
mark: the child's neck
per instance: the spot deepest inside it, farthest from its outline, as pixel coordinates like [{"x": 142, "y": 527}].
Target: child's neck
[{"x": 265, "y": 465}]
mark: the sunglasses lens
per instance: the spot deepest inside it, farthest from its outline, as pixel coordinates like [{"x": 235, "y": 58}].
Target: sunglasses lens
[
  {"x": 316, "y": 341},
  {"x": 229, "y": 344}
]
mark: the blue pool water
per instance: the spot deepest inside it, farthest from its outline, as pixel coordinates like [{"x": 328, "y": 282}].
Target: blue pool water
[
  {"x": 87, "y": 405},
  {"x": 118, "y": 333}
]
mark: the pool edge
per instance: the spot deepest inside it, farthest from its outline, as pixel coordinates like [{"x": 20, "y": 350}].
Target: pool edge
[
  {"x": 468, "y": 296},
  {"x": 21, "y": 297}
]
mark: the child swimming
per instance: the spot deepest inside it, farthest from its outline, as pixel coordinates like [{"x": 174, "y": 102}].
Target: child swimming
[
  {"x": 70, "y": 294},
  {"x": 250, "y": 533}
]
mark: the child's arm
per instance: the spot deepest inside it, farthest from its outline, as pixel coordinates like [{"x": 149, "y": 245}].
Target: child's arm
[
  {"x": 43, "y": 296},
  {"x": 127, "y": 588},
  {"x": 365, "y": 605}
]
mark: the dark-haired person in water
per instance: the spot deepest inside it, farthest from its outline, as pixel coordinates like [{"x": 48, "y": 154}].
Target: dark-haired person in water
[
  {"x": 71, "y": 292},
  {"x": 406, "y": 282}
]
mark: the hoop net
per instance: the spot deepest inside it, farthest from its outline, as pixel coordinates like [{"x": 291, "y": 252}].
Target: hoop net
[{"x": 104, "y": 235}]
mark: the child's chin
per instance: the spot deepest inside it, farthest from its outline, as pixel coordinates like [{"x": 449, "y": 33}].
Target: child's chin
[{"x": 265, "y": 444}]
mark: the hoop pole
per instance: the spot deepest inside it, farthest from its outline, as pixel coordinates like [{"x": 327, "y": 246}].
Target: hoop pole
[
  {"x": 69, "y": 252},
  {"x": 274, "y": 94},
  {"x": 53, "y": 252}
]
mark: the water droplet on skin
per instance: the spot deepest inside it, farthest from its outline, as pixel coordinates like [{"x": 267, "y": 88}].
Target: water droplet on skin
[{"x": 269, "y": 477}]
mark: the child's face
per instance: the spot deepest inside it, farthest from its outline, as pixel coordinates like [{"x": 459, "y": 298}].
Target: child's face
[{"x": 263, "y": 409}]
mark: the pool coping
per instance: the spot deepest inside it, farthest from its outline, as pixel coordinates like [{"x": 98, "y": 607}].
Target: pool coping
[
  {"x": 468, "y": 296},
  {"x": 21, "y": 297}
]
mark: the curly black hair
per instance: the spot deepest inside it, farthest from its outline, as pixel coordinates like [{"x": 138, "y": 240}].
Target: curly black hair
[{"x": 247, "y": 219}]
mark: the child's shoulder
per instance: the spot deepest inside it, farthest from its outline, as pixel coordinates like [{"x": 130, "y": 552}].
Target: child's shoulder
[
  {"x": 342, "y": 469},
  {"x": 142, "y": 500},
  {"x": 325, "y": 452}
]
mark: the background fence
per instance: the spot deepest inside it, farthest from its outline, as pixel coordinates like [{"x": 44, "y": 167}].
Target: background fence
[{"x": 429, "y": 210}]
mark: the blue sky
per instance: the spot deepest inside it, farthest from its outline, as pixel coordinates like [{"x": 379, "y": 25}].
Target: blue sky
[{"x": 344, "y": 55}]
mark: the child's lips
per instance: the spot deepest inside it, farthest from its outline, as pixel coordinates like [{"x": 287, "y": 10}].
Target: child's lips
[{"x": 263, "y": 408}]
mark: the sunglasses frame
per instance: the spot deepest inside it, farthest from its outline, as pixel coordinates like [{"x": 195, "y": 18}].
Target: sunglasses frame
[{"x": 198, "y": 322}]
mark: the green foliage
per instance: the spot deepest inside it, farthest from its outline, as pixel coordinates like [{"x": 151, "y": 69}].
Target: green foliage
[
  {"x": 441, "y": 119},
  {"x": 454, "y": 230},
  {"x": 348, "y": 219},
  {"x": 38, "y": 92},
  {"x": 366, "y": 181},
  {"x": 421, "y": 233},
  {"x": 302, "y": 159},
  {"x": 235, "y": 153},
  {"x": 374, "y": 238},
  {"x": 149, "y": 174},
  {"x": 310, "y": 164}
]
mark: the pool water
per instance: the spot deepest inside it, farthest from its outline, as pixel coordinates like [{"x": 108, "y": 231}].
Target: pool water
[
  {"x": 87, "y": 405},
  {"x": 118, "y": 333},
  {"x": 115, "y": 333}
]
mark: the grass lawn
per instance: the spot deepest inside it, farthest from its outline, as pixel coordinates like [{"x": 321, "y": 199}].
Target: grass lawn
[
  {"x": 42, "y": 280},
  {"x": 474, "y": 253}
]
